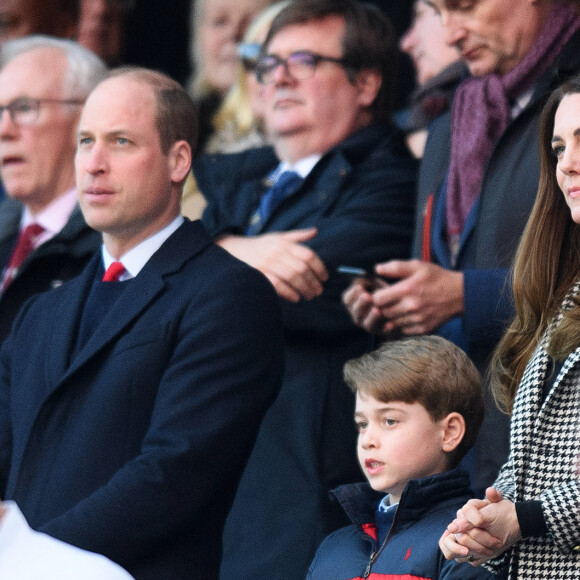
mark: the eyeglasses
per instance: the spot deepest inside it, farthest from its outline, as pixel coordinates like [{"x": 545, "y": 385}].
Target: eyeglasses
[
  {"x": 24, "y": 111},
  {"x": 248, "y": 54},
  {"x": 299, "y": 65}
]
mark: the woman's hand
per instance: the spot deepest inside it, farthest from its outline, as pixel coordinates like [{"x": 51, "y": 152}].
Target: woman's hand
[{"x": 483, "y": 530}]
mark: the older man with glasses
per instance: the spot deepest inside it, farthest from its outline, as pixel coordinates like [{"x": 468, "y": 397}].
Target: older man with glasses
[
  {"x": 337, "y": 188},
  {"x": 44, "y": 239}
]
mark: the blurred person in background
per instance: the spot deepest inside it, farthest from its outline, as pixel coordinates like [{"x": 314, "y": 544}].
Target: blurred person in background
[
  {"x": 44, "y": 239},
  {"x": 238, "y": 123},
  {"x": 438, "y": 73},
  {"x": 101, "y": 28},
  {"x": 239, "y": 120},
  {"x": 24, "y": 17},
  {"x": 218, "y": 27}
]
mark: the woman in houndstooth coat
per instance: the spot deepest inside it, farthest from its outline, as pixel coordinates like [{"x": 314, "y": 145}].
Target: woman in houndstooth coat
[{"x": 529, "y": 523}]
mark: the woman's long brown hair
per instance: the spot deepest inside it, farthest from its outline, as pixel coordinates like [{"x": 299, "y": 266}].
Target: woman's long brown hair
[{"x": 546, "y": 265}]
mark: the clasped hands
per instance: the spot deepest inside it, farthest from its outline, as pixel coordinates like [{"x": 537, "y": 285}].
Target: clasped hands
[
  {"x": 483, "y": 529},
  {"x": 422, "y": 297}
]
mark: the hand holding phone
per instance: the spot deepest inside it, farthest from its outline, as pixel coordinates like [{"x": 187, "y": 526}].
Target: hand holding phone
[{"x": 370, "y": 280}]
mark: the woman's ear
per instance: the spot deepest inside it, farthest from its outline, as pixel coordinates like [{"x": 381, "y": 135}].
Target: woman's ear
[{"x": 453, "y": 431}]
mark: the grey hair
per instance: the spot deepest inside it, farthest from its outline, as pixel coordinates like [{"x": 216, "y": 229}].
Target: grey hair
[{"x": 85, "y": 70}]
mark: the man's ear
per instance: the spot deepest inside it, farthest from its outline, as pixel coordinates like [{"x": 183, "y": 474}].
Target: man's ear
[
  {"x": 368, "y": 82},
  {"x": 453, "y": 431},
  {"x": 179, "y": 160}
]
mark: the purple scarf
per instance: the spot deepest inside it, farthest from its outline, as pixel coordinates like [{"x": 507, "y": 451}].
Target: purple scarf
[{"x": 481, "y": 112}]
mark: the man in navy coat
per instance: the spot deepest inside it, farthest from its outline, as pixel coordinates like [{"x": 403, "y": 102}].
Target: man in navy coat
[
  {"x": 327, "y": 78},
  {"x": 128, "y": 408}
]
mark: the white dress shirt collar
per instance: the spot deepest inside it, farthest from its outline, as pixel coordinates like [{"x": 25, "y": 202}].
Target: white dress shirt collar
[
  {"x": 137, "y": 257},
  {"x": 303, "y": 167}
]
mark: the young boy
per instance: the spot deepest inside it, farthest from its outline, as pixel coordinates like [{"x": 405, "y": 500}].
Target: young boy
[{"x": 418, "y": 411}]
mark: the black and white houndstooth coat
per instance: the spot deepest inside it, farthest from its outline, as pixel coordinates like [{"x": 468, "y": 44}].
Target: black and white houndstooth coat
[{"x": 544, "y": 464}]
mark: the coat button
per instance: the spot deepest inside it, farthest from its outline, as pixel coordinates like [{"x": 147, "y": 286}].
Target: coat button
[{"x": 576, "y": 548}]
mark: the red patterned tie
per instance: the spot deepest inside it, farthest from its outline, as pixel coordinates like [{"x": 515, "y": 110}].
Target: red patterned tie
[
  {"x": 114, "y": 272},
  {"x": 24, "y": 245}
]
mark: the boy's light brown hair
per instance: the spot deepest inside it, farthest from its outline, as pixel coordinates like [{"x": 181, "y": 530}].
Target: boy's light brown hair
[{"x": 428, "y": 370}]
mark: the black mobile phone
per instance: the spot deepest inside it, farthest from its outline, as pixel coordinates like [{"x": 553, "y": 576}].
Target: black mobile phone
[{"x": 370, "y": 280}]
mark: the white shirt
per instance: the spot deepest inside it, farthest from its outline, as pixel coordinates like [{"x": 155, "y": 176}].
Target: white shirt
[
  {"x": 137, "y": 257},
  {"x": 303, "y": 167},
  {"x": 29, "y": 555}
]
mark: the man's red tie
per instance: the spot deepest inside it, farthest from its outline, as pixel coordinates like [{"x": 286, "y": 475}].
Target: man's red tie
[
  {"x": 114, "y": 272},
  {"x": 24, "y": 246}
]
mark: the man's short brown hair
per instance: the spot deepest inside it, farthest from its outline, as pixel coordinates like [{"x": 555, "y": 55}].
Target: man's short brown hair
[
  {"x": 428, "y": 370},
  {"x": 176, "y": 115}
]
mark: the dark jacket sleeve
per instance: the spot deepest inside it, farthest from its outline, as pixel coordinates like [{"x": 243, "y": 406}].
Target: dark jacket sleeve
[
  {"x": 372, "y": 223},
  {"x": 362, "y": 204},
  {"x": 488, "y": 304},
  {"x": 232, "y": 185}
]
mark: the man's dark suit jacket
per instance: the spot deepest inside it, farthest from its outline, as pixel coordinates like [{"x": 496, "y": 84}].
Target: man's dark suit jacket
[
  {"x": 361, "y": 197},
  {"x": 490, "y": 238},
  {"x": 134, "y": 447},
  {"x": 59, "y": 259}
]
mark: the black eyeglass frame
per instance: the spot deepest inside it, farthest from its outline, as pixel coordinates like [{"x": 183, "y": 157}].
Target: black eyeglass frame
[
  {"x": 34, "y": 105},
  {"x": 260, "y": 70}
]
